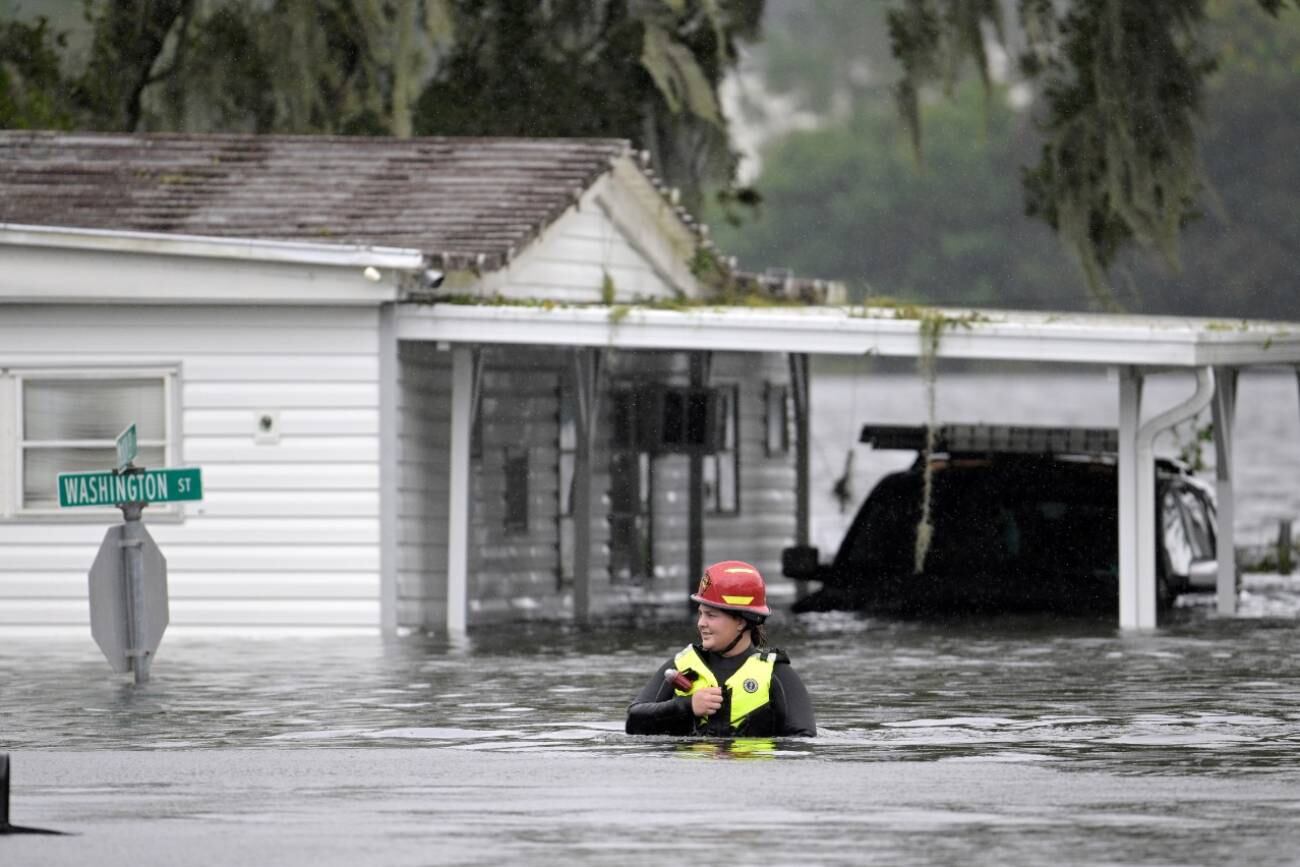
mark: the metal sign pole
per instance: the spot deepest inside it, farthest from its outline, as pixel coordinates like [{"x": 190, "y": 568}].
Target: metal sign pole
[{"x": 132, "y": 544}]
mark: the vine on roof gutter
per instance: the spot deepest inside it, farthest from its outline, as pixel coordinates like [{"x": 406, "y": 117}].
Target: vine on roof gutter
[
  {"x": 726, "y": 287},
  {"x": 931, "y": 326},
  {"x": 608, "y": 290}
]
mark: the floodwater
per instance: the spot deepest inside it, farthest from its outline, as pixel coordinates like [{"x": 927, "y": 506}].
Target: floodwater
[
  {"x": 999, "y": 741},
  {"x": 995, "y": 741}
]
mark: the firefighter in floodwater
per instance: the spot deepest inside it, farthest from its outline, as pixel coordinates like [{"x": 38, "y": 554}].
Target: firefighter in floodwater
[{"x": 729, "y": 683}]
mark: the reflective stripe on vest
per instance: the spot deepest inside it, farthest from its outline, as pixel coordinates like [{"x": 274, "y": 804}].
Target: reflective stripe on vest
[{"x": 750, "y": 687}]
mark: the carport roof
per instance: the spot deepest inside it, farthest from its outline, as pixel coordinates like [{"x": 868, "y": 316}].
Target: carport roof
[{"x": 887, "y": 332}]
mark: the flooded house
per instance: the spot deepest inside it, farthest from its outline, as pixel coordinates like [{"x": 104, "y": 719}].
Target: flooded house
[{"x": 324, "y": 326}]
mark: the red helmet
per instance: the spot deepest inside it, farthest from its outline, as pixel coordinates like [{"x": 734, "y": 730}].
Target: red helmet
[{"x": 733, "y": 586}]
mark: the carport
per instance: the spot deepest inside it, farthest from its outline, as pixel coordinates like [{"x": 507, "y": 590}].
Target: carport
[{"x": 1134, "y": 347}]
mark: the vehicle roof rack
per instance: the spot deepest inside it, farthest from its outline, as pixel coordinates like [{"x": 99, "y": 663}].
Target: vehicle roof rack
[{"x": 986, "y": 439}]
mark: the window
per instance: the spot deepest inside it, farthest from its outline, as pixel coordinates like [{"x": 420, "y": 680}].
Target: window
[
  {"x": 66, "y": 421},
  {"x": 1198, "y": 524},
  {"x": 722, "y": 466},
  {"x": 516, "y": 493},
  {"x": 631, "y": 516},
  {"x": 568, "y": 448},
  {"x": 667, "y": 419},
  {"x": 1178, "y": 545},
  {"x": 776, "y": 399},
  {"x": 567, "y": 481},
  {"x": 624, "y": 419}
]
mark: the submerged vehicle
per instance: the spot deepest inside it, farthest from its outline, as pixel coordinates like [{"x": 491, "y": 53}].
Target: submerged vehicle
[{"x": 1023, "y": 518}]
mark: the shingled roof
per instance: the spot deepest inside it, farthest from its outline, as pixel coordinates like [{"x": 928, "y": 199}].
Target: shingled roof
[{"x": 462, "y": 201}]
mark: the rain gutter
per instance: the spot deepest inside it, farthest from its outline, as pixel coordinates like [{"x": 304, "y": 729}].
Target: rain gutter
[{"x": 202, "y": 246}]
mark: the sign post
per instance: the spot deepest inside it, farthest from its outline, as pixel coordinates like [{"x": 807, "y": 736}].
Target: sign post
[
  {"x": 128, "y": 580},
  {"x": 126, "y": 448}
]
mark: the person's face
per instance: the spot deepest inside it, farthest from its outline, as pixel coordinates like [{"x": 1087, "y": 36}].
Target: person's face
[{"x": 717, "y": 628}]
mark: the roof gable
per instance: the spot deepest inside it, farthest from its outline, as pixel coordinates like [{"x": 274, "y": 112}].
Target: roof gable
[
  {"x": 621, "y": 242},
  {"x": 463, "y": 202}
]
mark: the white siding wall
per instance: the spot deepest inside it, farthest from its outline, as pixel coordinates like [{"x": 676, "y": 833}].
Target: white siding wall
[
  {"x": 424, "y": 406},
  {"x": 608, "y": 233},
  {"x": 670, "y": 473},
  {"x": 513, "y": 575},
  {"x": 517, "y": 572},
  {"x": 765, "y": 523},
  {"x": 520, "y": 575},
  {"x": 287, "y": 532}
]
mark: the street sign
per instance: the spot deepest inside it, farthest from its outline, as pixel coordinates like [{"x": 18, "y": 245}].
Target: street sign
[
  {"x": 116, "y": 605},
  {"x": 147, "y": 486},
  {"x": 126, "y": 448}
]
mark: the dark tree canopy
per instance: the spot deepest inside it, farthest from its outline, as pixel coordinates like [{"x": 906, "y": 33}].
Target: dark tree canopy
[
  {"x": 1122, "y": 87},
  {"x": 646, "y": 70},
  {"x": 1123, "y": 152}
]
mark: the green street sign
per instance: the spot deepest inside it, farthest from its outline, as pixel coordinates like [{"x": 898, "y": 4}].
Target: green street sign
[
  {"x": 147, "y": 486},
  {"x": 126, "y": 450}
]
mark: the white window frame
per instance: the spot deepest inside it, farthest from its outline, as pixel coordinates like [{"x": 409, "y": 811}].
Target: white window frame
[{"x": 12, "y": 444}]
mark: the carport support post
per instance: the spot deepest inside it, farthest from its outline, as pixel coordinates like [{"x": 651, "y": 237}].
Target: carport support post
[
  {"x": 463, "y": 384},
  {"x": 1224, "y": 415},
  {"x": 389, "y": 446},
  {"x": 1130, "y": 412},
  {"x": 700, "y": 365},
  {"x": 799, "y": 389},
  {"x": 586, "y": 368}
]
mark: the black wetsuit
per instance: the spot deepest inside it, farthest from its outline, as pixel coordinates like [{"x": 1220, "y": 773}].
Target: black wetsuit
[{"x": 657, "y": 710}]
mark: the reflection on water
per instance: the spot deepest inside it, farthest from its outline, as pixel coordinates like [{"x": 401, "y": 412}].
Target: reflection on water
[{"x": 1204, "y": 694}]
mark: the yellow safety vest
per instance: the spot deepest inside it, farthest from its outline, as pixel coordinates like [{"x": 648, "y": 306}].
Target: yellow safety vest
[{"x": 750, "y": 687}]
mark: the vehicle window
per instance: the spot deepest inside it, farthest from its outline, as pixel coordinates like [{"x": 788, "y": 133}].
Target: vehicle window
[
  {"x": 974, "y": 533},
  {"x": 1074, "y": 537},
  {"x": 988, "y": 523},
  {"x": 1199, "y": 529},
  {"x": 883, "y": 534},
  {"x": 1178, "y": 546}
]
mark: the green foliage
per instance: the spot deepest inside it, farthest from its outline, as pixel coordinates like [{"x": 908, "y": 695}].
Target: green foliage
[
  {"x": 849, "y": 202},
  {"x": 1193, "y": 442},
  {"x": 828, "y": 53},
  {"x": 1122, "y": 87},
  {"x": 932, "y": 41},
  {"x": 129, "y": 38},
  {"x": 1255, "y": 46},
  {"x": 607, "y": 289},
  {"x": 30, "y": 82},
  {"x": 1123, "y": 90},
  {"x": 1238, "y": 256},
  {"x": 646, "y": 70},
  {"x": 843, "y": 201}
]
